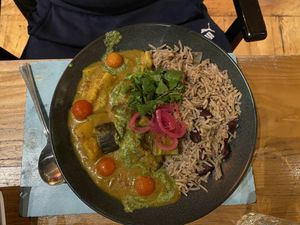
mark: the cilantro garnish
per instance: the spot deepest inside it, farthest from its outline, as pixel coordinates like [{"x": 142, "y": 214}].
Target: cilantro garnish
[{"x": 150, "y": 89}]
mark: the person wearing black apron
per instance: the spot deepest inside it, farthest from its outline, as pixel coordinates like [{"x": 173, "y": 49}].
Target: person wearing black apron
[{"x": 61, "y": 28}]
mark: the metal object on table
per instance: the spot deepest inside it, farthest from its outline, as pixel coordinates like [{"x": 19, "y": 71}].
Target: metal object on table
[{"x": 47, "y": 165}]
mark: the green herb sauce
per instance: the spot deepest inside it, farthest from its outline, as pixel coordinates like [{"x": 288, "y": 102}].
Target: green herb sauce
[{"x": 112, "y": 38}]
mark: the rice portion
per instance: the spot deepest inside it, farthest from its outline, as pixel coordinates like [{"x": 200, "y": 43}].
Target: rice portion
[{"x": 210, "y": 108}]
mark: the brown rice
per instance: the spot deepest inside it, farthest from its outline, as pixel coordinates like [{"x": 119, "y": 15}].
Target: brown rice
[{"x": 209, "y": 103}]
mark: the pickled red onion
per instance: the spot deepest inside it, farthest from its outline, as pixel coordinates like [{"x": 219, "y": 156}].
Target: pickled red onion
[
  {"x": 165, "y": 123},
  {"x": 132, "y": 124},
  {"x": 170, "y": 126},
  {"x": 154, "y": 125}
]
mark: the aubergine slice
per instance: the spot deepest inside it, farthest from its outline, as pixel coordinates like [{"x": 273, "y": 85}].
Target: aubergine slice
[
  {"x": 147, "y": 141},
  {"x": 106, "y": 137}
]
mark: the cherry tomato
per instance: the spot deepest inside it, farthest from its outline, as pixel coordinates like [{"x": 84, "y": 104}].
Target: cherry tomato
[
  {"x": 114, "y": 60},
  {"x": 81, "y": 109},
  {"x": 144, "y": 185},
  {"x": 106, "y": 166}
]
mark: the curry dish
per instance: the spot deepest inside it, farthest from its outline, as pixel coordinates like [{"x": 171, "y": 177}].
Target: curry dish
[
  {"x": 113, "y": 154},
  {"x": 150, "y": 125}
]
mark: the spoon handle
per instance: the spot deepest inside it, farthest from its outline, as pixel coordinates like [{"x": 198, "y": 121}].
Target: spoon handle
[{"x": 31, "y": 86}]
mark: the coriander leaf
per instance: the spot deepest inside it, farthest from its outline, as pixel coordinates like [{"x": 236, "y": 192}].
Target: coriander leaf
[
  {"x": 173, "y": 77},
  {"x": 175, "y": 96},
  {"x": 148, "y": 85},
  {"x": 150, "y": 89},
  {"x": 157, "y": 76},
  {"x": 147, "y": 107},
  {"x": 161, "y": 88}
]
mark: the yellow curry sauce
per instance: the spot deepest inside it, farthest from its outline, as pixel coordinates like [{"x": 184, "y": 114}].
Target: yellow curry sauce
[{"x": 107, "y": 90}]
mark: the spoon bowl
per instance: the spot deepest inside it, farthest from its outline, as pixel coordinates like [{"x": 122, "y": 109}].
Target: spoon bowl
[{"x": 48, "y": 168}]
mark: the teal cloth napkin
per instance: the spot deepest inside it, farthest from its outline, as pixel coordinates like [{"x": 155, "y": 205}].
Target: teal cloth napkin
[{"x": 39, "y": 199}]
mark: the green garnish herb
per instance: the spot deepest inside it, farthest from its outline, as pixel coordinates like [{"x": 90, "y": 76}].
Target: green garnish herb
[
  {"x": 150, "y": 89},
  {"x": 114, "y": 71},
  {"x": 112, "y": 38}
]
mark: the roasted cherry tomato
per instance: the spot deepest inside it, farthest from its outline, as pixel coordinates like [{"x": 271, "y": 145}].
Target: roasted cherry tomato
[
  {"x": 144, "y": 185},
  {"x": 114, "y": 60},
  {"x": 106, "y": 166},
  {"x": 81, "y": 109}
]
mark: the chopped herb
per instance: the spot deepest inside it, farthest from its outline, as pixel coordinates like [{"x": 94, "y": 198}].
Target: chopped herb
[
  {"x": 115, "y": 71},
  {"x": 112, "y": 38},
  {"x": 150, "y": 89}
]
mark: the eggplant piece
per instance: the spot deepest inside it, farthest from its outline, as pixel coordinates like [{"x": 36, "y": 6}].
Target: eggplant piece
[
  {"x": 106, "y": 137},
  {"x": 147, "y": 141}
]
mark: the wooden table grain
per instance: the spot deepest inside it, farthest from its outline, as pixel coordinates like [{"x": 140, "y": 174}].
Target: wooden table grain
[{"x": 275, "y": 83}]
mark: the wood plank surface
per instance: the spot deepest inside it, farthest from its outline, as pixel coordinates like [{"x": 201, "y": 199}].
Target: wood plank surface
[
  {"x": 11, "y": 202},
  {"x": 13, "y": 27},
  {"x": 275, "y": 83},
  {"x": 273, "y": 44},
  {"x": 286, "y": 8},
  {"x": 12, "y": 109},
  {"x": 290, "y": 30},
  {"x": 283, "y": 36}
]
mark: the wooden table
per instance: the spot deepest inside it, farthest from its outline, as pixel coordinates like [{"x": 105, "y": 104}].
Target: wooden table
[{"x": 275, "y": 82}]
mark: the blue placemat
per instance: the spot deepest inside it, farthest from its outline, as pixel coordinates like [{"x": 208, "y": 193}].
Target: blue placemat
[{"x": 39, "y": 199}]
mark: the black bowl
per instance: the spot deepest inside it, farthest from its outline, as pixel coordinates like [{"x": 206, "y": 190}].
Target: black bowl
[{"x": 196, "y": 204}]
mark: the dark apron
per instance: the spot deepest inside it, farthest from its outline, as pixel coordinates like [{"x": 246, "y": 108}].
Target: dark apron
[{"x": 61, "y": 28}]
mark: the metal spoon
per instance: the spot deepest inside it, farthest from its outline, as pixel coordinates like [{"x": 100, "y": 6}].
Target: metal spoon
[{"x": 47, "y": 165}]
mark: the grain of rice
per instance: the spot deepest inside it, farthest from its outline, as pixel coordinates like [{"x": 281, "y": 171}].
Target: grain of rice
[{"x": 206, "y": 88}]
